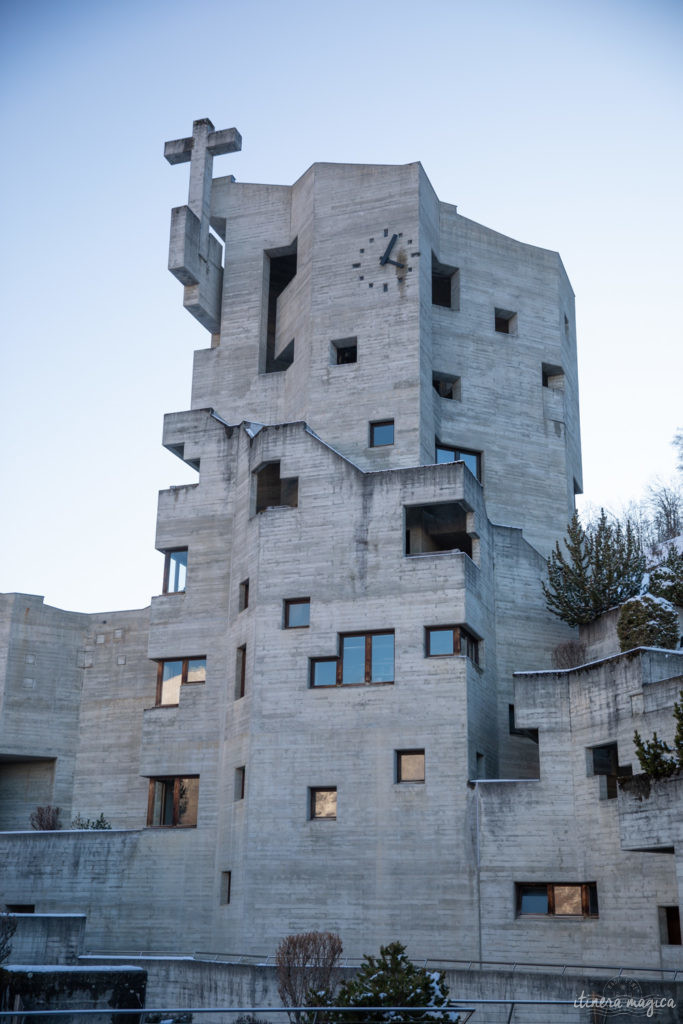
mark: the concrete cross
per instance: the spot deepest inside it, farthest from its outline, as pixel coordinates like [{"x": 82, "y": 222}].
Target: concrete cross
[{"x": 199, "y": 149}]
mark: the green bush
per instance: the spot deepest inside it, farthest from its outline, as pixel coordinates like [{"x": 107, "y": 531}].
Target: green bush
[
  {"x": 100, "y": 823},
  {"x": 647, "y": 621}
]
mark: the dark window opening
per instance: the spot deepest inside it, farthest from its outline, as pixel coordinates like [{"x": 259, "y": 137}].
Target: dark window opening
[
  {"x": 410, "y": 765},
  {"x": 604, "y": 760},
  {"x": 297, "y": 612},
  {"x": 175, "y": 570},
  {"x": 437, "y": 528},
  {"x": 669, "y": 926},
  {"x": 381, "y": 433},
  {"x": 552, "y": 377},
  {"x": 244, "y": 595},
  {"x": 557, "y": 899},
  {"x": 445, "y": 285},
  {"x": 445, "y": 641},
  {"x": 226, "y": 887},
  {"x": 281, "y": 270},
  {"x": 529, "y": 734},
  {"x": 177, "y": 672},
  {"x": 445, "y": 453},
  {"x": 272, "y": 490},
  {"x": 173, "y": 802},
  {"x": 505, "y": 321},
  {"x": 241, "y": 672},
  {"x": 323, "y": 803},
  {"x": 566, "y": 327},
  {"x": 446, "y": 386},
  {"x": 20, "y": 908},
  {"x": 344, "y": 350},
  {"x": 240, "y": 782}
]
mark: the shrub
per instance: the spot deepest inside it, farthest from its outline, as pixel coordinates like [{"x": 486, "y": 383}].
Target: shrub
[
  {"x": 8, "y": 926},
  {"x": 46, "y": 819},
  {"x": 647, "y": 621},
  {"x": 86, "y": 823},
  {"x": 392, "y": 980},
  {"x": 306, "y": 964},
  {"x": 569, "y": 654}
]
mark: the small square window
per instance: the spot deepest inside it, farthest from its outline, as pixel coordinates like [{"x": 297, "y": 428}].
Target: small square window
[
  {"x": 226, "y": 886},
  {"x": 344, "y": 350},
  {"x": 240, "y": 782},
  {"x": 552, "y": 377},
  {"x": 410, "y": 765},
  {"x": 174, "y": 673},
  {"x": 244, "y": 595},
  {"x": 447, "y": 386},
  {"x": 241, "y": 671},
  {"x": 173, "y": 802},
  {"x": 505, "y": 321},
  {"x": 175, "y": 571},
  {"x": 381, "y": 433},
  {"x": 297, "y": 612},
  {"x": 323, "y": 671},
  {"x": 323, "y": 803}
]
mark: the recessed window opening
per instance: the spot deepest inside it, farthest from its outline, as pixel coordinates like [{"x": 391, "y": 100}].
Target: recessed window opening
[
  {"x": 445, "y": 285},
  {"x": 173, "y": 802},
  {"x": 343, "y": 350},
  {"x": 441, "y": 527},
  {"x": 20, "y": 908},
  {"x": 566, "y": 327},
  {"x": 281, "y": 270},
  {"x": 669, "y": 926},
  {"x": 381, "y": 433},
  {"x": 552, "y": 376},
  {"x": 177, "y": 672},
  {"x": 505, "y": 321},
  {"x": 557, "y": 899},
  {"x": 445, "y": 641},
  {"x": 410, "y": 766},
  {"x": 445, "y": 453},
  {"x": 240, "y": 782},
  {"x": 241, "y": 671},
  {"x": 274, "y": 491},
  {"x": 297, "y": 612},
  {"x": 226, "y": 887},
  {"x": 175, "y": 570},
  {"x": 244, "y": 595},
  {"x": 447, "y": 386},
  {"x": 323, "y": 803},
  {"x": 480, "y": 760},
  {"x": 529, "y": 734},
  {"x": 604, "y": 761}
]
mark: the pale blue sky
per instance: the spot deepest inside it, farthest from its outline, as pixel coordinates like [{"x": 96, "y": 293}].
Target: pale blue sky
[{"x": 556, "y": 123}]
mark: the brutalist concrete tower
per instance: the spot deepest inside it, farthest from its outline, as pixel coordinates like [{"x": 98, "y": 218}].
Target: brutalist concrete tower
[{"x": 385, "y": 429}]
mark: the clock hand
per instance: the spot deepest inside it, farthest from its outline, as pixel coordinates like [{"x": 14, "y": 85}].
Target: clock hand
[{"x": 385, "y": 258}]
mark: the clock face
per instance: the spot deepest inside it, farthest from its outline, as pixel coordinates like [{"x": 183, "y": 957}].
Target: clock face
[{"x": 385, "y": 260}]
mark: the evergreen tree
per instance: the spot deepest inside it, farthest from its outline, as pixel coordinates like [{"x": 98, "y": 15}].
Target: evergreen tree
[
  {"x": 604, "y": 566},
  {"x": 652, "y": 756},
  {"x": 667, "y": 579},
  {"x": 647, "y": 621}
]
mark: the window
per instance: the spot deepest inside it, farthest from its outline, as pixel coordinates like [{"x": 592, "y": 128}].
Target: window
[
  {"x": 175, "y": 571},
  {"x": 240, "y": 671},
  {"x": 604, "y": 761},
  {"x": 444, "y": 641},
  {"x": 505, "y": 321},
  {"x": 363, "y": 658},
  {"x": 669, "y": 926},
  {"x": 173, "y": 802},
  {"x": 226, "y": 886},
  {"x": 272, "y": 490},
  {"x": 552, "y": 377},
  {"x": 297, "y": 611},
  {"x": 445, "y": 453},
  {"x": 20, "y": 908},
  {"x": 244, "y": 595},
  {"x": 410, "y": 765},
  {"x": 557, "y": 899},
  {"x": 381, "y": 433},
  {"x": 529, "y": 734},
  {"x": 445, "y": 285},
  {"x": 323, "y": 803},
  {"x": 344, "y": 350},
  {"x": 240, "y": 782},
  {"x": 442, "y": 527},
  {"x": 173, "y": 674},
  {"x": 446, "y": 386},
  {"x": 281, "y": 270}
]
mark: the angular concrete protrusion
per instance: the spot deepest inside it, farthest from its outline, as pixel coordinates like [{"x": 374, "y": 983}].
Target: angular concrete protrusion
[{"x": 195, "y": 256}]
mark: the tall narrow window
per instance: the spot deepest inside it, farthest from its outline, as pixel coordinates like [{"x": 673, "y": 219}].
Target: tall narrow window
[
  {"x": 670, "y": 926},
  {"x": 445, "y": 285},
  {"x": 240, "y": 782},
  {"x": 241, "y": 672},
  {"x": 175, "y": 571},
  {"x": 244, "y": 595},
  {"x": 226, "y": 887},
  {"x": 281, "y": 269},
  {"x": 173, "y": 801}
]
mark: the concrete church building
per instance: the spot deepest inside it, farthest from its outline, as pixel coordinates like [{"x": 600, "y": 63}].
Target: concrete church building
[{"x": 340, "y": 713}]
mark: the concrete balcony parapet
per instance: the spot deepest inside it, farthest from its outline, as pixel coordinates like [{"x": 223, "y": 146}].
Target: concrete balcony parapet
[{"x": 650, "y": 813}]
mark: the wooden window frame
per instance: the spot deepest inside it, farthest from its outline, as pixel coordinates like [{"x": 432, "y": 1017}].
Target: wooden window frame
[
  {"x": 457, "y": 455},
  {"x": 587, "y": 888},
  {"x": 368, "y": 681},
  {"x": 167, "y": 570},
  {"x": 311, "y": 807},
  {"x": 176, "y": 780},
  {"x": 311, "y": 679},
  {"x": 461, "y": 637},
  {"x": 288, "y": 602},
  {"x": 382, "y": 423},
  {"x": 183, "y": 676},
  {"x": 410, "y": 782}
]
